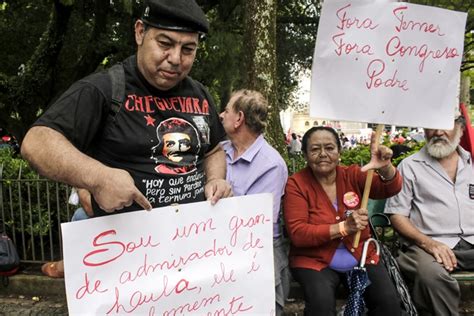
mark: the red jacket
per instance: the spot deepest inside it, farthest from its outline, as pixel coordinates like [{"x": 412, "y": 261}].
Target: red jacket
[{"x": 309, "y": 213}]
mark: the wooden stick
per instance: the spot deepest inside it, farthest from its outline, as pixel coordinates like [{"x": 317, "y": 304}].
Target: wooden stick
[{"x": 368, "y": 184}]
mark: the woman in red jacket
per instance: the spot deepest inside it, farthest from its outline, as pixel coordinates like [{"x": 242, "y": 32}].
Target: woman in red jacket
[{"x": 322, "y": 215}]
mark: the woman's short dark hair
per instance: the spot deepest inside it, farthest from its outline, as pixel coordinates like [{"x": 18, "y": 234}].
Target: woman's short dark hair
[{"x": 307, "y": 135}]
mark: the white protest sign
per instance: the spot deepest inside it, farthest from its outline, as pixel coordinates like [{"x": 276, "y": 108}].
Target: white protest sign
[
  {"x": 178, "y": 260},
  {"x": 392, "y": 63}
]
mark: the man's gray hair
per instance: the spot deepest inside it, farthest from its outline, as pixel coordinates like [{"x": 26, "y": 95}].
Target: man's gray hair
[{"x": 254, "y": 106}]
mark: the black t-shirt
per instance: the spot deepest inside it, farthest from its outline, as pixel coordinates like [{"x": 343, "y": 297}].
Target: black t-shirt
[{"x": 159, "y": 137}]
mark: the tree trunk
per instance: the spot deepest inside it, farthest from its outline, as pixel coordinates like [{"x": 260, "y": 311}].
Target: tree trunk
[
  {"x": 94, "y": 53},
  {"x": 260, "y": 62},
  {"x": 465, "y": 93}
]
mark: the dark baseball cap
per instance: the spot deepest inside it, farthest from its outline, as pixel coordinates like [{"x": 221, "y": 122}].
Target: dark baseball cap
[{"x": 175, "y": 15}]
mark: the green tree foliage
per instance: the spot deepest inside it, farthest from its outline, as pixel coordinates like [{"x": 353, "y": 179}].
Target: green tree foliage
[
  {"x": 297, "y": 24},
  {"x": 219, "y": 60},
  {"x": 48, "y": 44},
  {"x": 248, "y": 29},
  {"x": 226, "y": 45},
  {"x": 52, "y": 43}
]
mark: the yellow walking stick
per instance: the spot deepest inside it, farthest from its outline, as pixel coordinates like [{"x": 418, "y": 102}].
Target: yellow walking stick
[{"x": 368, "y": 184}]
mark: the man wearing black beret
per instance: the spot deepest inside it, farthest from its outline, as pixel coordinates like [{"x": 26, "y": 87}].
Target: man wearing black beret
[{"x": 108, "y": 147}]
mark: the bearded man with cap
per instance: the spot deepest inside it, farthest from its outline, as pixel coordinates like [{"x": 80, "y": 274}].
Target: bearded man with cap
[
  {"x": 433, "y": 215},
  {"x": 79, "y": 142}
]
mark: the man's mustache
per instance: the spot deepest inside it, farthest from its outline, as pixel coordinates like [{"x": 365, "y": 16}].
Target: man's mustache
[{"x": 438, "y": 138}]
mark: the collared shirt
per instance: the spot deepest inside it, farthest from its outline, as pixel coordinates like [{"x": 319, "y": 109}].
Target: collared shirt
[
  {"x": 260, "y": 169},
  {"x": 437, "y": 206}
]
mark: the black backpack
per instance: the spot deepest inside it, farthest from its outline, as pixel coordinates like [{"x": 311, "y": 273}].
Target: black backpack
[
  {"x": 117, "y": 77},
  {"x": 9, "y": 259}
]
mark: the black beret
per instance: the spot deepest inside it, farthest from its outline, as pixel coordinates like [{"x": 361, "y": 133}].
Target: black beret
[{"x": 176, "y": 15}]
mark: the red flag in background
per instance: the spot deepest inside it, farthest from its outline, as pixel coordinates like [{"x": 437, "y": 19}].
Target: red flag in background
[{"x": 467, "y": 140}]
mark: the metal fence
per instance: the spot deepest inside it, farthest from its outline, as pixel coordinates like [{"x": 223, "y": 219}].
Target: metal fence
[
  {"x": 31, "y": 213},
  {"x": 32, "y": 210}
]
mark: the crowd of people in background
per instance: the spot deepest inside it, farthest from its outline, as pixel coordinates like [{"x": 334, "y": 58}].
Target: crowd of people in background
[{"x": 401, "y": 140}]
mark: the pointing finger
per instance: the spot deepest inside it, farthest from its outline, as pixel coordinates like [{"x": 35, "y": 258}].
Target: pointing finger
[{"x": 142, "y": 201}]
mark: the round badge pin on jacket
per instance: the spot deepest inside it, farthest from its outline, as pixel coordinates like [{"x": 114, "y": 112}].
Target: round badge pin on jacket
[{"x": 351, "y": 199}]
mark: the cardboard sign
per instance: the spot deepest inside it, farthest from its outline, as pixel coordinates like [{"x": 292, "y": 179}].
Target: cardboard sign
[
  {"x": 191, "y": 259},
  {"x": 392, "y": 63}
]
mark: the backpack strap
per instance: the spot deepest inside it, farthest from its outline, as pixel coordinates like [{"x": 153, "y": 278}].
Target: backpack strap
[{"x": 117, "y": 77}]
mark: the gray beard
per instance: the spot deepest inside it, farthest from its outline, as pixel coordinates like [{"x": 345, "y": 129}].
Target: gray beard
[{"x": 443, "y": 149}]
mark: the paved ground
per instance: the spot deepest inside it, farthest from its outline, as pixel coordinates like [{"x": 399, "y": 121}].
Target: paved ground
[
  {"x": 20, "y": 305},
  {"x": 35, "y": 294}
]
